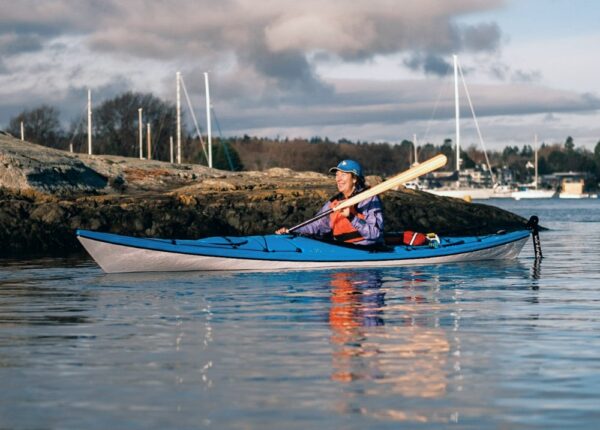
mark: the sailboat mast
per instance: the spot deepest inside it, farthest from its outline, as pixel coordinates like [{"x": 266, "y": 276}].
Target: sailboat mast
[
  {"x": 535, "y": 140},
  {"x": 178, "y": 84},
  {"x": 457, "y": 113},
  {"x": 415, "y": 149},
  {"x": 89, "y": 121},
  {"x": 141, "y": 138},
  {"x": 208, "y": 121}
]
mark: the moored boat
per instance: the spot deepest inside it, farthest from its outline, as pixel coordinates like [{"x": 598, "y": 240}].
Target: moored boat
[
  {"x": 533, "y": 193},
  {"x": 462, "y": 189},
  {"x": 577, "y": 196},
  {"x": 118, "y": 254},
  {"x": 497, "y": 192}
]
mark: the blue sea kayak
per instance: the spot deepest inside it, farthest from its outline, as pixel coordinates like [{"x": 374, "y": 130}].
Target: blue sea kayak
[{"x": 118, "y": 254}]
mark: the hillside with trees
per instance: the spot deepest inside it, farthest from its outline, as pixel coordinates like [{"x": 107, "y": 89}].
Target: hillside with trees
[
  {"x": 116, "y": 132},
  {"x": 386, "y": 159}
]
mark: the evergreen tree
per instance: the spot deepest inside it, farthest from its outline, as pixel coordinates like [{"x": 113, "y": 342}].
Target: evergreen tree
[
  {"x": 569, "y": 144},
  {"x": 449, "y": 152},
  {"x": 543, "y": 168},
  {"x": 556, "y": 161},
  {"x": 224, "y": 156},
  {"x": 467, "y": 162},
  {"x": 597, "y": 159},
  {"x": 527, "y": 151}
]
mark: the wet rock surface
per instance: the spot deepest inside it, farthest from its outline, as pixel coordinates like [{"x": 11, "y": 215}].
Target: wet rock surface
[{"x": 45, "y": 195}]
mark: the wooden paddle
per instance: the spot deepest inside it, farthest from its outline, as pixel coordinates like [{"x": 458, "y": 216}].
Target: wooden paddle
[{"x": 408, "y": 175}]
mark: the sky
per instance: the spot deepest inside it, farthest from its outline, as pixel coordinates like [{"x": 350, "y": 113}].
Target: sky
[{"x": 368, "y": 70}]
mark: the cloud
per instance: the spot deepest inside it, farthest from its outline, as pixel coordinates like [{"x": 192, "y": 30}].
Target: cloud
[
  {"x": 261, "y": 35},
  {"x": 75, "y": 97},
  {"x": 499, "y": 71},
  {"x": 526, "y": 76},
  {"x": 288, "y": 69},
  {"x": 429, "y": 63},
  {"x": 11, "y": 43},
  {"x": 482, "y": 37},
  {"x": 263, "y": 57}
]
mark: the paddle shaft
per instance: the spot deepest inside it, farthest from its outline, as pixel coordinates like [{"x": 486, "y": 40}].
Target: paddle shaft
[{"x": 408, "y": 175}]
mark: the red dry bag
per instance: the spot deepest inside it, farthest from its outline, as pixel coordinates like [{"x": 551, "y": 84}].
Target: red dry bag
[{"x": 413, "y": 238}]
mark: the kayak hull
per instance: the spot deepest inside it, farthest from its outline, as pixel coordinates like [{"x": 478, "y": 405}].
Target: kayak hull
[{"x": 120, "y": 254}]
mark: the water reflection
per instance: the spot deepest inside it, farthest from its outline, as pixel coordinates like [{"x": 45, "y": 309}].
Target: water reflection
[
  {"x": 410, "y": 356},
  {"x": 356, "y": 302},
  {"x": 23, "y": 304},
  {"x": 38, "y": 316},
  {"x": 536, "y": 271}
]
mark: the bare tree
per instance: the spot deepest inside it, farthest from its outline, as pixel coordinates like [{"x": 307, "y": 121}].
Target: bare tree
[
  {"x": 41, "y": 126},
  {"x": 116, "y": 125}
]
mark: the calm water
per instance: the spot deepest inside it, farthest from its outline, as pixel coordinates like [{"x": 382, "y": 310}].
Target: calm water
[{"x": 504, "y": 344}]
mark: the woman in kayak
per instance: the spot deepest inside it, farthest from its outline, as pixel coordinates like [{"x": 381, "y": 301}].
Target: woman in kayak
[{"x": 361, "y": 224}]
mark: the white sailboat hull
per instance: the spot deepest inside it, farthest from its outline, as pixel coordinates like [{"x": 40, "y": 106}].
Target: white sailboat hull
[
  {"x": 472, "y": 193},
  {"x": 577, "y": 196},
  {"x": 533, "y": 194}
]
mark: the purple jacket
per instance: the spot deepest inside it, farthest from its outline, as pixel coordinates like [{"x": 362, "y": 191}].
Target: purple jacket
[{"x": 371, "y": 228}]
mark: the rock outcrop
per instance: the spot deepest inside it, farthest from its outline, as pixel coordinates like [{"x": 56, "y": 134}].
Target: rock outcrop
[{"x": 46, "y": 194}]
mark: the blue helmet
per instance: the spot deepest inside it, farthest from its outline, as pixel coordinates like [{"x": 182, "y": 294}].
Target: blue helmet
[{"x": 348, "y": 166}]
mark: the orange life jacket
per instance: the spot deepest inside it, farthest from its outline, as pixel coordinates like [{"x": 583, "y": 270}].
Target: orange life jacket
[{"x": 342, "y": 227}]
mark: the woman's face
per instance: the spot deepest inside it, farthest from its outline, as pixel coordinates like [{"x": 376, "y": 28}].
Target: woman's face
[{"x": 345, "y": 182}]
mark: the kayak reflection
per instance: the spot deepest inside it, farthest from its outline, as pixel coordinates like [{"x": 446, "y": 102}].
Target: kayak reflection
[
  {"x": 408, "y": 356},
  {"x": 356, "y": 300}
]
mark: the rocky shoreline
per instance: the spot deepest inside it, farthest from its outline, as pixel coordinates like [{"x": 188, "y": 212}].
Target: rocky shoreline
[{"x": 46, "y": 194}]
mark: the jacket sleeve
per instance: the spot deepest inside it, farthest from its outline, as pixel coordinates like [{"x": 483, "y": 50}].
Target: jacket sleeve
[
  {"x": 371, "y": 227},
  {"x": 318, "y": 227}
]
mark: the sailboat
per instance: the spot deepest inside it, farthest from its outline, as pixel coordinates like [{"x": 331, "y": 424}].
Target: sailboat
[
  {"x": 531, "y": 191},
  {"x": 458, "y": 191}
]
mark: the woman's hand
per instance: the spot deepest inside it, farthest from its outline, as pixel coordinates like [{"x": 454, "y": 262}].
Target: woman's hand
[
  {"x": 282, "y": 230},
  {"x": 344, "y": 212},
  {"x": 349, "y": 213}
]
